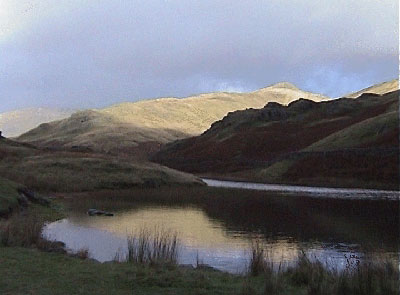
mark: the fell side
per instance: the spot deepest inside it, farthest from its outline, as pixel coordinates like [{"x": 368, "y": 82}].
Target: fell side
[
  {"x": 139, "y": 128},
  {"x": 343, "y": 142}
]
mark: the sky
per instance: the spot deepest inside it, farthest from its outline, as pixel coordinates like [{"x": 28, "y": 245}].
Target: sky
[{"x": 91, "y": 54}]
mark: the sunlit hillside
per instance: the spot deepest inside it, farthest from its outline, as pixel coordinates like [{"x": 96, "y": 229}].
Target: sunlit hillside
[
  {"x": 143, "y": 125},
  {"x": 381, "y": 88}
]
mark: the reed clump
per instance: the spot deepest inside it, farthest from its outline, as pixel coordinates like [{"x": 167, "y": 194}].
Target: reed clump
[
  {"x": 367, "y": 276},
  {"x": 22, "y": 230},
  {"x": 158, "y": 246},
  {"x": 261, "y": 263}
]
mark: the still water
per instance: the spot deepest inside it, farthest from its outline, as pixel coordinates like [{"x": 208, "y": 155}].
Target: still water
[{"x": 218, "y": 230}]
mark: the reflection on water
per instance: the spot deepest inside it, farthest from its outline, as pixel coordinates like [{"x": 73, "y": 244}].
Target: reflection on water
[
  {"x": 104, "y": 237},
  {"x": 219, "y": 233}
]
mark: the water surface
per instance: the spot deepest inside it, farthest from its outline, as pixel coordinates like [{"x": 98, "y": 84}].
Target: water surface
[{"x": 220, "y": 225}]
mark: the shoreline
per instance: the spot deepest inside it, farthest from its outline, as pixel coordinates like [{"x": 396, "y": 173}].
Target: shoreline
[{"x": 312, "y": 191}]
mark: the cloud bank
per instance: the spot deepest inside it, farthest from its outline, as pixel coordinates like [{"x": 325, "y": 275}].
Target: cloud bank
[{"x": 87, "y": 54}]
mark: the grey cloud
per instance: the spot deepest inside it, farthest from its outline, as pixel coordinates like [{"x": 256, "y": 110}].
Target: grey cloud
[{"x": 95, "y": 53}]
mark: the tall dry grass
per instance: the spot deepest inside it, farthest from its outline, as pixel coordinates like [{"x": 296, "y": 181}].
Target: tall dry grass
[
  {"x": 367, "y": 276},
  {"x": 261, "y": 264},
  {"x": 153, "y": 247},
  {"x": 24, "y": 229}
]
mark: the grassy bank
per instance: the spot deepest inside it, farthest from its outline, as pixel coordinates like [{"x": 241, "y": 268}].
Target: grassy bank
[
  {"x": 27, "y": 271},
  {"x": 63, "y": 171}
]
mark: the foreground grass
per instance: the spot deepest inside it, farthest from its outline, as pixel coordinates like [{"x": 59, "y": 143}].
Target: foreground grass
[
  {"x": 370, "y": 276},
  {"x": 28, "y": 271}
]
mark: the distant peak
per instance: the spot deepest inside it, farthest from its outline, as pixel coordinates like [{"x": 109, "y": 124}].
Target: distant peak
[
  {"x": 286, "y": 85},
  {"x": 280, "y": 85}
]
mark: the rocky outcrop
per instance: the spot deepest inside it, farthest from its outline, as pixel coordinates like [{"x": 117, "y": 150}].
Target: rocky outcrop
[{"x": 30, "y": 196}]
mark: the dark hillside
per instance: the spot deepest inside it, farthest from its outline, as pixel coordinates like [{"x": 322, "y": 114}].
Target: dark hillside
[{"x": 343, "y": 142}]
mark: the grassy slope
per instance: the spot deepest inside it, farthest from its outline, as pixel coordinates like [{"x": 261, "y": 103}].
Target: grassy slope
[
  {"x": 380, "y": 88},
  {"x": 67, "y": 171},
  {"x": 123, "y": 127},
  {"x": 8, "y": 195},
  {"x": 360, "y": 134}
]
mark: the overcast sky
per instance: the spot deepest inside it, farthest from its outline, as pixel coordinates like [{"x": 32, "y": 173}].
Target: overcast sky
[{"x": 87, "y": 54}]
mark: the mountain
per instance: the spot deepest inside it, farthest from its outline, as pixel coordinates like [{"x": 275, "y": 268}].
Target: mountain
[
  {"x": 381, "y": 88},
  {"x": 15, "y": 123},
  {"x": 341, "y": 142},
  {"x": 140, "y": 127}
]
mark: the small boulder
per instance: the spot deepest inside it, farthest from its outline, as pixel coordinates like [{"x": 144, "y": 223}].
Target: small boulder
[
  {"x": 95, "y": 212},
  {"x": 187, "y": 266},
  {"x": 56, "y": 247},
  {"x": 204, "y": 266}
]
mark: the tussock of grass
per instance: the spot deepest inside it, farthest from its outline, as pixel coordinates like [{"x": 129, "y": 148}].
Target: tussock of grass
[
  {"x": 82, "y": 253},
  {"x": 260, "y": 264},
  {"x": 362, "y": 277},
  {"x": 24, "y": 229},
  {"x": 153, "y": 247}
]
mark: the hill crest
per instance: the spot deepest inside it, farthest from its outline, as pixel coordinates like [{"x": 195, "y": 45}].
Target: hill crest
[{"x": 124, "y": 127}]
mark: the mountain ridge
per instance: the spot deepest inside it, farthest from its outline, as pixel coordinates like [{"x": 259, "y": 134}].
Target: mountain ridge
[
  {"x": 124, "y": 127},
  {"x": 380, "y": 88}
]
